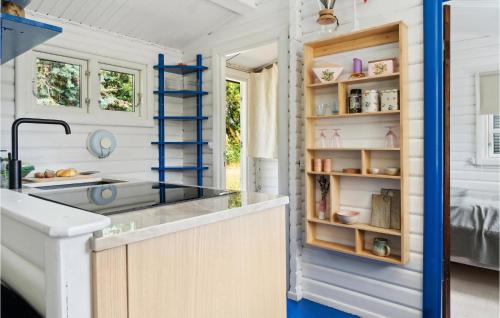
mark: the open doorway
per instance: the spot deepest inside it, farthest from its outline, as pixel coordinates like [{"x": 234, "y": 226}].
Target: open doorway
[
  {"x": 472, "y": 159},
  {"x": 235, "y": 157},
  {"x": 251, "y": 120}
]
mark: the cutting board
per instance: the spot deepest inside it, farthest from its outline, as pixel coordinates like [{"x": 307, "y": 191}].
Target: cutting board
[
  {"x": 381, "y": 211},
  {"x": 58, "y": 179}
]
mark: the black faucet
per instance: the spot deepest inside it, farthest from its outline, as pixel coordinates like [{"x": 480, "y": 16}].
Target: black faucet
[{"x": 15, "y": 165}]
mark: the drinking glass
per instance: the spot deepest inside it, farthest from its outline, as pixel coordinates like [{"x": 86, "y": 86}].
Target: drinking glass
[
  {"x": 335, "y": 108},
  {"x": 321, "y": 109},
  {"x": 336, "y": 140},
  {"x": 322, "y": 139},
  {"x": 391, "y": 140}
]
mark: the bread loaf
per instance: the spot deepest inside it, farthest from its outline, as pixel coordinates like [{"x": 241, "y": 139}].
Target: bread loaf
[
  {"x": 39, "y": 175},
  {"x": 66, "y": 172},
  {"x": 49, "y": 174}
]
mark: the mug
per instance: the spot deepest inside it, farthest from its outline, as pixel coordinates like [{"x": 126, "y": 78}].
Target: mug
[{"x": 381, "y": 247}]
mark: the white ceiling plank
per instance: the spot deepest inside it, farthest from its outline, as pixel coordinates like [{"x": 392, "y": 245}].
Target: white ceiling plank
[
  {"x": 122, "y": 12},
  {"x": 238, "y": 6},
  {"x": 109, "y": 13},
  {"x": 97, "y": 11},
  {"x": 60, "y": 7},
  {"x": 73, "y": 10},
  {"x": 256, "y": 57},
  {"x": 34, "y": 4},
  {"x": 170, "y": 23},
  {"x": 84, "y": 12},
  {"x": 46, "y": 5}
]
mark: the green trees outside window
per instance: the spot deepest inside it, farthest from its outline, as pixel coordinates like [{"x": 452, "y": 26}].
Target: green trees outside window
[
  {"x": 117, "y": 91},
  {"x": 232, "y": 154},
  {"x": 58, "y": 83},
  {"x": 233, "y": 124}
]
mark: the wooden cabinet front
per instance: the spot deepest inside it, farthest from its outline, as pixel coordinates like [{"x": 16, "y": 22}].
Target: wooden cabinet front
[{"x": 235, "y": 268}]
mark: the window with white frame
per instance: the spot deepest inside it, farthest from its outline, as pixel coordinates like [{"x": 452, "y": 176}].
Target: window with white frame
[
  {"x": 487, "y": 119},
  {"x": 494, "y": 136},
  {"x": 58, "y": 81},
  {"x": 81, "y": 88},
  {"x": 119, "y": 88}
]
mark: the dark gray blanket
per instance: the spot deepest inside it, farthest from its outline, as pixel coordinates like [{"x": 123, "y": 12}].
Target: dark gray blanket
[{"x": 475, "y": 233}]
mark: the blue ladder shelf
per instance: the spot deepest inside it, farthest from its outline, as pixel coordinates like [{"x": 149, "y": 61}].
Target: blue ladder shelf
[
  {"x": 198, "y": 118},
  {"x": 181, "y": 69},
  {"x": 180, "y": 168},
  {"x": 180, "y": 93},
  {"x": 20, "y": 35},
  {"x": 180, "y": 143},
  {"x": 180, "y": 117}
]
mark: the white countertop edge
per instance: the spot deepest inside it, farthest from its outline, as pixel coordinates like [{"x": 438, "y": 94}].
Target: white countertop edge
[
  {"x": 104, "y": 243},
  {"x": 53, "y": 219}
]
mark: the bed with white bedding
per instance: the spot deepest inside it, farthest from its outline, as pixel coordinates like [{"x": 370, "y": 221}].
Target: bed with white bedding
[{"x": 475, "y": 234}]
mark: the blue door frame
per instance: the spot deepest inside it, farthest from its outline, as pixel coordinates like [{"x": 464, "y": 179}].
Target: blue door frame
[{"x": 433, "y": 159}]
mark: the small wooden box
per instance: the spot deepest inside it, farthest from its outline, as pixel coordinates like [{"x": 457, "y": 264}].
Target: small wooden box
[{"x": 382, "y": 67}]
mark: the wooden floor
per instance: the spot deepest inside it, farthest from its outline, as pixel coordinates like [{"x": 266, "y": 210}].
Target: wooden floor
[
  {"x": 14, "y": 306},
  {"x": 474, "y": 292},
  {"x": 309, "y": 309}
]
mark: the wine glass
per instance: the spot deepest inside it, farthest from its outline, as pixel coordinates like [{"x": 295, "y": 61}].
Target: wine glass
[
  {"x": 336, "y": 141},
  {"x": 322, "y": 139},
  {"x": 391, "y": 140}
]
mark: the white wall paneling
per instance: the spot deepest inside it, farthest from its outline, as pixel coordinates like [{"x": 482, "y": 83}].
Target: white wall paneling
[
  {"x": 47, "y": 147},
  {"x": 266, "y": 24},
  {"x": 363, "y": 287},
  {"x": 473, "y": 50}
]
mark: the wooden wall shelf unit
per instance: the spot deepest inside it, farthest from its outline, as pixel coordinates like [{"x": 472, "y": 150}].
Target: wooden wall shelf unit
[{"x": 356, "y": 238}]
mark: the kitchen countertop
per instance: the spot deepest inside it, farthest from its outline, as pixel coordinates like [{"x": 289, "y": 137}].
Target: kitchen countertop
[
  {"x": 110, "y": 231},
  {"x": 55, "y": 220},
  {"x": 135, "y": 226}
]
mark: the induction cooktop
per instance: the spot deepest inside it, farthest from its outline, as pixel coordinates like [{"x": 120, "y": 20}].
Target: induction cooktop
[{"x": 126, "y": 197}]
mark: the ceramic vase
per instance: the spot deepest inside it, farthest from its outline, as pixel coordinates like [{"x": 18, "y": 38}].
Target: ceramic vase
[{"x": 322, "y": 209}]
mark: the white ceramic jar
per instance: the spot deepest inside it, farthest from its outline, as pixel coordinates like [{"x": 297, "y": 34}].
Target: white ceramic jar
[
  {"x": 389, "y": 100},
  {"x": 370, "y": 101}
]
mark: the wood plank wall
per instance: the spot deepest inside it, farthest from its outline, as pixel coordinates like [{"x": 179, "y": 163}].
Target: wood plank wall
[
  {"x": 470, "y": 55},
  {"x": 363, "y": 287},
  {"x": 47, "y": 147}
]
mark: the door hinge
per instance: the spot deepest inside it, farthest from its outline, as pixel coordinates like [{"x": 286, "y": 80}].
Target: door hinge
[{"x": 87, "y": 73}]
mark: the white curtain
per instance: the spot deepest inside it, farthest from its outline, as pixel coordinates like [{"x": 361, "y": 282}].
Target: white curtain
[{"x": 263, "y": 114}]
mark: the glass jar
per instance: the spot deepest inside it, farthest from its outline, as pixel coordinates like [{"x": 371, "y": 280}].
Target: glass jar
[
  {"x": 370, "y": 101},
  {"x": 355, "y": 101}
]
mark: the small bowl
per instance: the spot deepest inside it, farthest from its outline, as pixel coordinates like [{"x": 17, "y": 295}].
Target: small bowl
[
  {"x": 391, "y": 171},
  {"x": 373, "y": 170},
  {"x": 351, "y": 170},
  {"x": 347, "y": 217}
]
